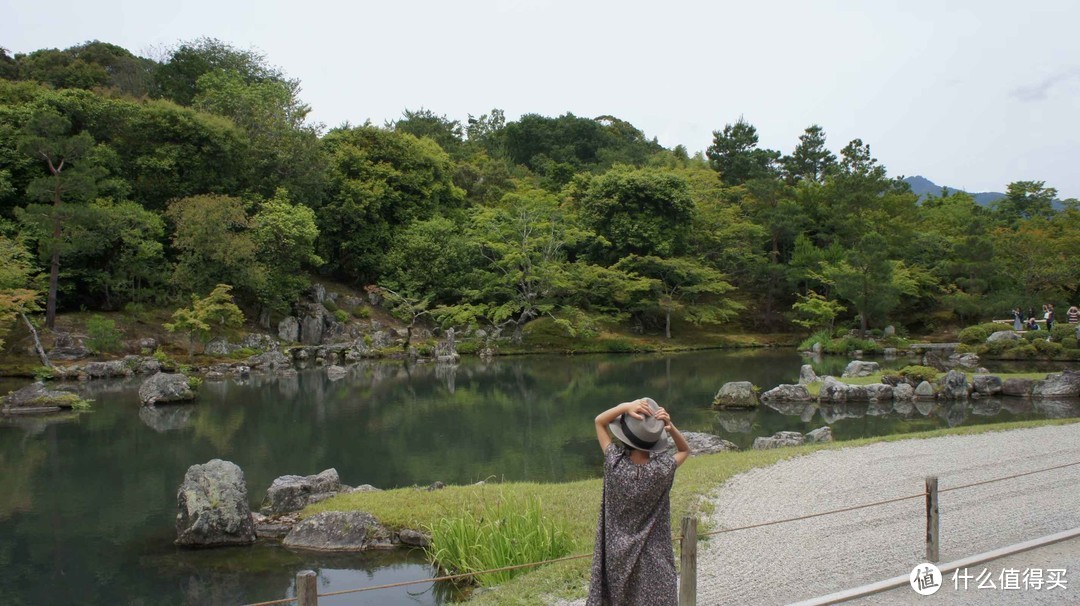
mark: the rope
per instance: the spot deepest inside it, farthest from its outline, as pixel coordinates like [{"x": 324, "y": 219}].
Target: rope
[
  {"x": 1026, "y": 473},
  {"x": 454, "y": 577},
  {"x": 813, "y": 515}
]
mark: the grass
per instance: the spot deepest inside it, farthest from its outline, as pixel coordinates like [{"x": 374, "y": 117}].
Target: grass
[{"x": 576, "y": 505}]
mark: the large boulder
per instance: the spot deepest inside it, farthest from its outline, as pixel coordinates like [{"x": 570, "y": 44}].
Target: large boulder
[
  {"x": 834, "y": 390},
  {"x": 925, "y": 390},
  {"x": 1017, "y": 387},
  {"x": 1060, "y": 385},
  {"x": 165, "y": 387},
  {"x": 821, "y": 434},
  {"x": 954, "y": 385},
  {"x": 289, "y": 329},
  {"x": 213, "y": 507},
  {"x": 878, "y": 392},
  {"x": 704, "y": 443},
  {"x": 106, "y": 370},
  {"x": 904, "y": 392},
  {"x": 858, "y": 368},
  {"x": 965, "y": 360},
  {"x": 1003, "y": 335},
  {"x": 339, "y": 531},
  {"x": 68, "y": 347},
  {"x": 219, "y": 347},
  {"x": 780, "y": 439},
  {"x": 271, "y": 360},
  {"x": 987, "y": 385},
  {"x": 293, "y": 493},
  {"x": 787, "y": 393},
  {"x": 312, "y": 325},
  {"x": 736, "y": 394},
  {"x": 36, "y": 398},
  {"x": 807, "y": 375}
]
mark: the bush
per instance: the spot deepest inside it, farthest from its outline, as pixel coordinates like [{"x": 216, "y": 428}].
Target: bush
[
  {"x": 103, "y": 335},
  {"x": 1035, "y": 335},
  {"x": 973, "y": 335},
  {"x": 1048, "y": 348},
  {"x": 468, "y": 347},
  {"x": 330, "y": 305},
  {"x": 850, "y": 344},
  {"x": 44, "y": 373},
  {"x": 821, "y": 336},
  {"x": 194, "y": 382},
  {"x": 509, "y": 533},
  {"x": 1070, "y": 343},
  {"x": 1023, "y": 352},
  {"x": 920, "y": 373},
  {"x": 361, "y": 312},
  {"x": 244, "y": 353},
  {"x": 1060, "y": 332},
  {"x": 341, "y": 316}
]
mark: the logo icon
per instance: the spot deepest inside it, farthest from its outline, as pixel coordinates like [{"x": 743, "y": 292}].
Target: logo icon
[{"x": 925, "y": 579}]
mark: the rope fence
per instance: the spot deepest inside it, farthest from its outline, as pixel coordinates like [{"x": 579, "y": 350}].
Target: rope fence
[{"x": 306, "y": 587}]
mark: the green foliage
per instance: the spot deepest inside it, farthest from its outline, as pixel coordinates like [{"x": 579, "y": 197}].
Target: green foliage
[
  {"x": 735, "y": 155},
  {"x": 194, "y": 382},
  {"x": 974, "y": 335},
  {"x": 361, "y": 312},
  {"x": 846, "y": 345},
  {"x": 16, "y": 296},
  {"x": 1062, "y": 331},
  {"x": 215, "y": 311},
  {"x": 342, "y": 316},
  {"x": 44, "y": 373},
  {"x": 330, "y": 305},
  {"x": 1070, "y": 343},
  {"x": 821, "y": 336},
  {"x": 214, "y": 243},
  {"x": 920, "y": 373},
  {"x": 244, "y": 353},
  {"x": 506, "y": 533},
  {"x": 103, "y": 334},
  {"x": 814, "y": 311},
  {"x": 284, "y": 236}
]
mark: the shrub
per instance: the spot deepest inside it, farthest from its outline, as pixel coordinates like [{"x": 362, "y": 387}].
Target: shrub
[
  {"x": 244, "y": 353},
  {"x": 468, "y": 347},
  {"x": 103, "y": 335},
  {"x": 194, "y": 382},
  {"x": 1022, "y": 352},
  {"x": 1035, "y": 335},
  {"x": 973, "y": 335},
  {"x": 1060, "y": 332},
  {"x": 509, "y": 533},
  {"x": 850, "y": 344},
  {"x": 330, "y": 305},
  {"x": 341, "y": 316},
  {"x": 920, "y": 373},
  {"x": 1070, "y": 343},
  {"x": 821, "y": 336},
  {"x": 44, "y": 373},
  {"x": 1048, "y": 348},
  {"x": 132, "y": 308},
  {"x": 361, "y": 312}
]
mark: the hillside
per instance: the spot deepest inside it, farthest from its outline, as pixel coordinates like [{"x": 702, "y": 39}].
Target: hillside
[{"x": 924, "y": 188}]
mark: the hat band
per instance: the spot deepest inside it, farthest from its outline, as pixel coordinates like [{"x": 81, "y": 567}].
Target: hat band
[{"x": 636, "y": 441}]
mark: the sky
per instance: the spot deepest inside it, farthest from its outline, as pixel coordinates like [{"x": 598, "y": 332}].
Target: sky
[{"x": 970, "y": 94}]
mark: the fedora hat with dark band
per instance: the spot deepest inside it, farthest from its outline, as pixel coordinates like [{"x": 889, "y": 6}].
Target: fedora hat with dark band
[{"x": 643, "y": 434}]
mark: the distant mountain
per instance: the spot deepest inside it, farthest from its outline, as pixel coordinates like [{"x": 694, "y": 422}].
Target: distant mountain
[{"x": 924, "y": 188}]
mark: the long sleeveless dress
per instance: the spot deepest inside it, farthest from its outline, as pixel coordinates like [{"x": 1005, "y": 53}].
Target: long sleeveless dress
[{"x": 634, "y": 561}]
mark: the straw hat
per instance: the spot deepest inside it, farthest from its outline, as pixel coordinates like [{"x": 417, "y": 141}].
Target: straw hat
[{"x": 642, "y": 434}]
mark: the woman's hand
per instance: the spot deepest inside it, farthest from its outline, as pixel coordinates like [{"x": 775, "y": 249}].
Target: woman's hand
[
  {"x": 662, "y": 415},
  {"x": 639, "y": 409}
]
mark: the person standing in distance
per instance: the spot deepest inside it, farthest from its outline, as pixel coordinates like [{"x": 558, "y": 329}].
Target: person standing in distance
[{"x": 634, "y": 561}]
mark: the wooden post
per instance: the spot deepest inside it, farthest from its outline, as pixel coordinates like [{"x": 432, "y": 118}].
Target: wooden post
[
  {"x": 688, "y": 562},
  {"x": 307, "y": 589},
  {"x": 932, "y": 536}
]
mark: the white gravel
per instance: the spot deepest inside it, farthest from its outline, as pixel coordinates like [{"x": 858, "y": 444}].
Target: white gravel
[{"x": 800, "y": 560}]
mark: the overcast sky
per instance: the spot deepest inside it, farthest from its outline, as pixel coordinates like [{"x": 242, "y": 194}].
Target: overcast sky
[{"x": 971, "y": 94}]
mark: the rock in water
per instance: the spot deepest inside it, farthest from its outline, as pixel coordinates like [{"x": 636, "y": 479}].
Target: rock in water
[
  {"x": 339, "y": 531},
  {"x": 213, "y": 507},
  {"x": 780, "y": 439},
  {"x": 858, "y": 368},
  {"x": 293, "y": 493},
  {"x": 954, "y": 385},
  {"x": 1063, "y": 384},
  {"x": 736, "y": 394},
  {"x": 807, "y": 375},
  {"x": 165, "y": 387}
]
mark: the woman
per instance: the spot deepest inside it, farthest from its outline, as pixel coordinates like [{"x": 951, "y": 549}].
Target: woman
[
  {"x": 1073, "y": 315},
  {"x": 634, "y": 562},
  {"x": 1018, "y": 319}
]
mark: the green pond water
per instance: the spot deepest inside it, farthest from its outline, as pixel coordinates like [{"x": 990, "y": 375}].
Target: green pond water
[{"x": 88, "y": 501}]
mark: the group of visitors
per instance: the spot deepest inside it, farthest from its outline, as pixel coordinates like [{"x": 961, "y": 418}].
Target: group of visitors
[{"x": 1031, "y": 322}]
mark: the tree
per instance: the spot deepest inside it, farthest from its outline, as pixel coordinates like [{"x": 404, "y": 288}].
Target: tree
[
  {"x": 684, "y": 284},
  {"x": 177, "y": 77},
  {"x": 213, "y": 238},
  {"x": 426, "y": 123},
  {"x": 646, "y": 212},
  {"x": 16, "y": 296},
  {"x": 380, "y": 181},
  {"x": 811, "y": 160},
  {"x": 284, "y": 236},
  {"x": 408, "y": 309},
  {"x": 431, "y": 258},
  {"x": 48, "y": 138},
  {"x": 1025, "y": 200},
  {"x": 815, "y": 312},
  {"x": 214, "y": 312},
  {"x": 870, "y": 281},
  {"x": 735, "y": 155}
]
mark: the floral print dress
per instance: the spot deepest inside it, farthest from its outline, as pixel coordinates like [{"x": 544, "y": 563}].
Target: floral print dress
[{"x": 634, "y": 561}]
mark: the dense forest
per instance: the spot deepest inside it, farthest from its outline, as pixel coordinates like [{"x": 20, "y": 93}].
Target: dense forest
[{"x": 127, "y": 182}]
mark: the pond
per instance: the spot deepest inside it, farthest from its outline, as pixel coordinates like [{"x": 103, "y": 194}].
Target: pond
[{"x": 88, "y": 502}]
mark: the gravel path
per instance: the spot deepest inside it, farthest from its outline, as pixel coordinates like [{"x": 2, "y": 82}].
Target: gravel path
[{"x": 800, "y": 560}]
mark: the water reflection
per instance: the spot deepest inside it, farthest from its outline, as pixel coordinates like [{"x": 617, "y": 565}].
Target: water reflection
[{"x": 88, "y": 501}]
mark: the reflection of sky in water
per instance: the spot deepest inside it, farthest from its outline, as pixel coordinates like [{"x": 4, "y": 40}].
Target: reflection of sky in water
[{"x": 331, "y": 579}]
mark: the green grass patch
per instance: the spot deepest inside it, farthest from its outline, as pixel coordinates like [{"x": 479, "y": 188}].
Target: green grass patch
[
  {"x": 575, "y": 505},
  {"x": 506, "y": 533}
]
